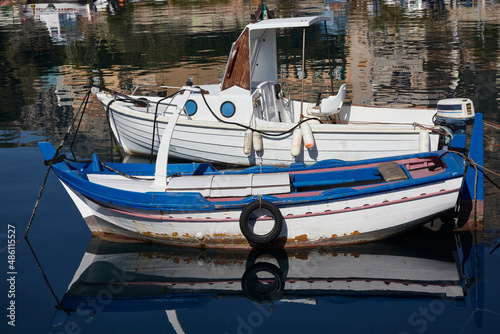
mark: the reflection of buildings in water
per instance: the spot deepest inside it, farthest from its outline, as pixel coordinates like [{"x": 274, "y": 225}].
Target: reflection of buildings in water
[
  {"x": 393, "y": 63},
  {"x": 337, "y": 10},
  {"x": 145, "y": 277},
  {"x": 60, "y": 18}
]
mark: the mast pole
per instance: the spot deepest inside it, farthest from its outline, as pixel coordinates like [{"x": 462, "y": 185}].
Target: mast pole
[
  {"x": 329, "y": 58},
  {"x": 303, "y": 71}
]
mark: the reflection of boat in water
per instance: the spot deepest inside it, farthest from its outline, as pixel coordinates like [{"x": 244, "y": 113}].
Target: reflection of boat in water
[{"x": 141, "y": 277}]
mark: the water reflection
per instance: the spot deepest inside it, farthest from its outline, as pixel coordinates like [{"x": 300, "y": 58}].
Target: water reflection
[
  {"x": 389, "y": 52},
  {"x": 59, "y": 17},
  {"x": 115, "y": 277}
]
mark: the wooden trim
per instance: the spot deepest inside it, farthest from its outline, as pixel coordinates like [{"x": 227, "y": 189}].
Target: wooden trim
[
  {"x": 238, "y": 64},
  {"x": 232, "y": 58}
]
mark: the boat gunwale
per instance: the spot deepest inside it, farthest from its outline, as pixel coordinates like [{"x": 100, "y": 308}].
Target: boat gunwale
[{"x": 188, "y": 201}]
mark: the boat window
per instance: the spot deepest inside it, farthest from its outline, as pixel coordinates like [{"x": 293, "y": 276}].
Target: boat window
[
  {"x": 227, "y": 109},
  {"x": 191, "y": 107}
]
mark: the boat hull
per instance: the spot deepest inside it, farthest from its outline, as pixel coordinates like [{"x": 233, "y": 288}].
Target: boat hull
[
  {"x": 355, "y": 220},
  {"x": 213, "y": 141}
]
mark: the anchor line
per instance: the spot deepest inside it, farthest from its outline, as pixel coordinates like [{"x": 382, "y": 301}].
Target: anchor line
[
  {"x": 44, "y": 276},
  {"x": 473, "y": 164},
  {"x": 492, "y": 124},
  {"x": 477, "y": 167},
  {"x": 84, "y": 104},
  {"x": 51, "y": 161},
  {"x": 494, "y": 249}
]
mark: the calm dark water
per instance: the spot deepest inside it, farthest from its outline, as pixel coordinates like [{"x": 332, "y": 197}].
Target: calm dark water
[{"x": 390, "y": 53}]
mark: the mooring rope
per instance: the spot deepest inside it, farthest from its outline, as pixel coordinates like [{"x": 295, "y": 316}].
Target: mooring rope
[
  {"x": 51, "y": 161},
  {"x": 126, "y": 175},
  {"x": 84, "y": 104},
  {"x": 492, "y": 124},
  {"x": 476, "y": 165}
]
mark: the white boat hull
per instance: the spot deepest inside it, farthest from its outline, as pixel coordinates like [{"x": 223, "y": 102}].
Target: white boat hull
[
  {"x": 355, "y": 220},
  {"x": 217, "y": 142}
]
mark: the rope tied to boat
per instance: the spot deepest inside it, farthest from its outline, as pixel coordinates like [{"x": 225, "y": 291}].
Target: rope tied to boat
[
  {"x": 126, "y": 175},
  {"x": 444, "y": 132},
  {"x": 56, "y": 158},
  {"x": 477, "y": 168}
]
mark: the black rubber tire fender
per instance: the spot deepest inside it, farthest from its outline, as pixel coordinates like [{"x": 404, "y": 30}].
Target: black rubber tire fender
[
  {"x": 276, "y": 215},
  {"x": 259, "y": 292}
]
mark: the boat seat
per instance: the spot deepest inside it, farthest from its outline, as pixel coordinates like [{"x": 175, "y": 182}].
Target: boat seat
[
  {"x": 331, "y": 105},
  {"x": 232, "y": 185},
  {"x": 264, "y": 99},
  {"x": 391, "y": 171}
]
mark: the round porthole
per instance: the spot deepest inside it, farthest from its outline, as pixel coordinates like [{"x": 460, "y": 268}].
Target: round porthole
[
  {"x": 227, "y": 109},
  {"x": 191, "y": 107}
]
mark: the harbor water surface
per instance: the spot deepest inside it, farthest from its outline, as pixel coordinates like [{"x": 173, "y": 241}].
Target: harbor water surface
[{"x": 62, "y": 280}]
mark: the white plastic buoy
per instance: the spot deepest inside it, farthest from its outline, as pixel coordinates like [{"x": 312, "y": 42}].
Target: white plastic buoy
[
  {"x": 247, "y": 144},
  {"x": 424, "y": 141},
  {"x": 257, "y": 142},
  {"x": 296, "y": 142},
  {"x": 307, "y": 135}
]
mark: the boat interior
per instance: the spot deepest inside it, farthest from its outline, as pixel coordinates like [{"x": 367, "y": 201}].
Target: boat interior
[{"x": 209, "y": 182}]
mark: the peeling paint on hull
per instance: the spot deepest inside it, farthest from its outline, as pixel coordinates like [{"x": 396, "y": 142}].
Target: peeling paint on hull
[{"x": 104, "y": 229}]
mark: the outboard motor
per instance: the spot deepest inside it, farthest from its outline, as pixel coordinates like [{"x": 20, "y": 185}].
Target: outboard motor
[{"x": 454, "y": 114}]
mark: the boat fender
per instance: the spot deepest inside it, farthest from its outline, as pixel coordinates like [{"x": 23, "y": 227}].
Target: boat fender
[
  {"x": 257, "y": 142},
  {"x": 424, "y": 141},
  {"x": 296, "y": 142},
  {"x": 247, "y": 144},
  {"x": 263, "y": 291},
  {"x": 246, "y": 225},
  {"x": 307, "y": 135}
]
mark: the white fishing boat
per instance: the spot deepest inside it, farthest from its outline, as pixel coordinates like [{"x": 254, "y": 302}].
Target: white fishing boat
[{"x": 250, "y": 118}]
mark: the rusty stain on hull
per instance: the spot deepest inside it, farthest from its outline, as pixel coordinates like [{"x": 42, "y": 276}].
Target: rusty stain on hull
[
  {"x": 300, "y": 238},
  {"x": 225, "y": 235},
  {"x": 107, "y": 231}
]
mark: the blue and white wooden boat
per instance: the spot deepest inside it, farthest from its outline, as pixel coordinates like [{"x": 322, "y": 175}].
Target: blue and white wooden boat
[{"x": 330, "y": 202}]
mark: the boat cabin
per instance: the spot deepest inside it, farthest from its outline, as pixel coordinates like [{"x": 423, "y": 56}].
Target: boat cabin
[{"x": 252, "y": 65}]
